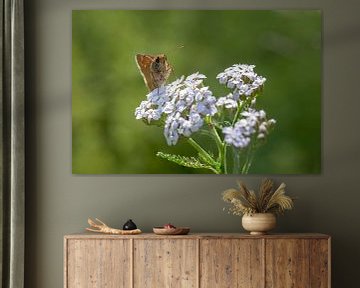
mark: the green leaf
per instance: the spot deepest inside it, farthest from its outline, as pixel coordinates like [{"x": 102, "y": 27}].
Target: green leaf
[
  {"x": 209, "y": 161},
  {"x": 191, "y": 162}
]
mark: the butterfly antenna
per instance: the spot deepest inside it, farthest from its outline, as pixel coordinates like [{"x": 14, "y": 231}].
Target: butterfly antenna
[{"x": 176, "y": 48}]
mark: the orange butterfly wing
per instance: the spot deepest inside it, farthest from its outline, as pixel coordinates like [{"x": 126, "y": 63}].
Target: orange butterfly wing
[{"x": 144, "y": 64}]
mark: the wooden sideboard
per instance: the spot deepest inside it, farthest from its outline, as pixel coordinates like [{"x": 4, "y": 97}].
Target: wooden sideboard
[{"x": 197, "y": 260}]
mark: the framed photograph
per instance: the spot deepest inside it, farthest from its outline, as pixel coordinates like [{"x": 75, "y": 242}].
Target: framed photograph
[{"x": 184, "y": 92}]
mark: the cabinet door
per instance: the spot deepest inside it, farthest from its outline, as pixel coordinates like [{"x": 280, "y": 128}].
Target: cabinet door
[
  {"x": 287, "y": 263},
  {"x": 98, "y": 263},
  {"x": 231, "y": 263},
  {"x": 297, "y": 263},
  {"x": 320, "y": 263},
  {"x": 165, "y": 263}
]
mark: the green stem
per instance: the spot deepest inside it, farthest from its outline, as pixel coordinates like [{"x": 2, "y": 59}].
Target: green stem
[
  {"x": 248, "y": 161},
  {"x": 201, "y": 151},
  {"x": 237, "y": 114},
  {"x": 218, "y": 141},
  {"x": 236, "y": 165},
  {"x": 214, "y": 170},
  {"x": 225, "y": 161},
  {"x": 248, "y": 164},
  {"x": 221, "y": 148},
  {"x": 244, "y": 104}
]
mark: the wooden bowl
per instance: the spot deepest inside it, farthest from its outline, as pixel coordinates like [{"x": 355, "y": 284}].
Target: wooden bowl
[{"x": 171, "y": 231}]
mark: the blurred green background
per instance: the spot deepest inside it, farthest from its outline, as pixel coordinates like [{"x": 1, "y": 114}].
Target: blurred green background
[{"x": 285, "y": 46}]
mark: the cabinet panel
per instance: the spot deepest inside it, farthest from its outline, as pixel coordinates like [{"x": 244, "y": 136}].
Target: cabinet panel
[
  {"x": 98, "y": 263},
  {"x": 166, "y": 263},
  {"x": 319, "y": 263},
  {"x": 230, "y": 263},
  {"x": 287, "y": 263}
]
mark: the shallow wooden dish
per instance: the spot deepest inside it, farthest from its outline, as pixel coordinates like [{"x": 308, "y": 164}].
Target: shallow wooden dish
[{"x": 171, "y": 231}]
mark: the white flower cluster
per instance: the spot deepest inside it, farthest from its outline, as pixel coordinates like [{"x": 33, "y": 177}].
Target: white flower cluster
[
  {"x": 244, "y": 82},
  {"x": 253, "y": 122},
  {"x": 183, "y": 102}
]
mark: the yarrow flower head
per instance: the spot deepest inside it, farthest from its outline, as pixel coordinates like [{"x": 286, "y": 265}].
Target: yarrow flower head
[
  {"x": 253, "y": 122},
  {"x": 152, "y": 108},
  {"x": 183, "y": 106},
  {"x": 228, "y": 102},
  {"x": 184, "y": 103},
  {"x": 242, "y": 79}
]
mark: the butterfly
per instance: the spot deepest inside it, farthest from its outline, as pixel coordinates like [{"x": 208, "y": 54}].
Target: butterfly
[{"x": 155, "y": 69}]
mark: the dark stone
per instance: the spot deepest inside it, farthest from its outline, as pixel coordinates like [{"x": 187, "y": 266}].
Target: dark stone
[{"x": 129, "y": 225}]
